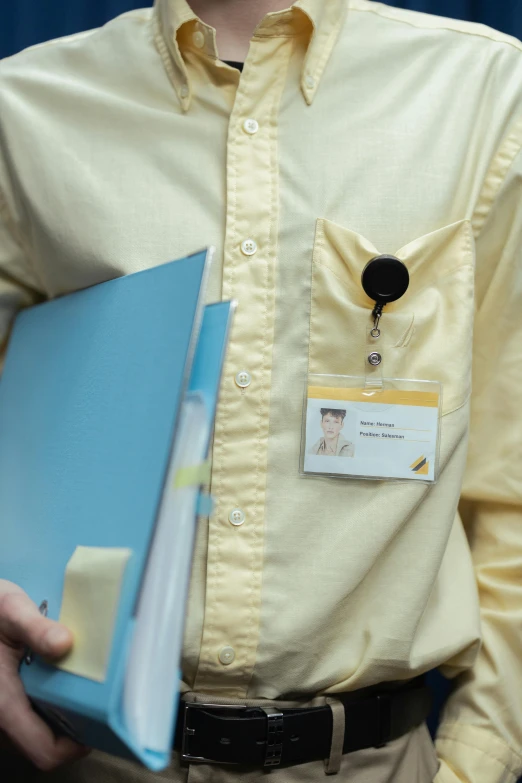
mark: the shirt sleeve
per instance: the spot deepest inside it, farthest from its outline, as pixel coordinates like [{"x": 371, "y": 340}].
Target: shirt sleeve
[
  {"x": 19, "y": 286},
  {"x": 479, "y": 738}
]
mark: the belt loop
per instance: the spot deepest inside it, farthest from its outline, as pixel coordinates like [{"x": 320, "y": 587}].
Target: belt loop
[{"x": 332, "y": 764}]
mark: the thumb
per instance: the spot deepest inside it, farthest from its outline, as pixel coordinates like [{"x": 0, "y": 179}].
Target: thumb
[{"x": 22, "y": 624}]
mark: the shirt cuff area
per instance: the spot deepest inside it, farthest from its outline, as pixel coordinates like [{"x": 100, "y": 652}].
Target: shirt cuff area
[{"x": 471, "y": 754}]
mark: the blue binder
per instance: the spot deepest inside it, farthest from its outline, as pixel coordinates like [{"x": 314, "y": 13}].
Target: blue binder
[{"x": 90, "y": 400}]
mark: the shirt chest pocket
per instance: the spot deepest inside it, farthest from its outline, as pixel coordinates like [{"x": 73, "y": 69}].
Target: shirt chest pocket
[{"x": 425, "y": 335}]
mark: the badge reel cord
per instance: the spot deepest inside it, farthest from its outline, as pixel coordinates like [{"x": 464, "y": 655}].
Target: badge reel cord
[{"x": 384, "y": 279}]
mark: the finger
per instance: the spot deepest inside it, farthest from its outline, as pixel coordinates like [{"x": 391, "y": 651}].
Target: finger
[
  {"x": 22, "y": 624},
  {"x": 30, "y": 734}
]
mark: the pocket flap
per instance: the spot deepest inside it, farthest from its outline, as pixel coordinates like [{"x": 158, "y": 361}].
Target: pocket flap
[
  {"x": 426, "y": 335},
  {"x": 427, "y": 258}
]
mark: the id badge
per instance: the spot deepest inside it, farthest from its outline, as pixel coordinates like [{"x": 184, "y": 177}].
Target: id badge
[{"x": 389, "y": 431}]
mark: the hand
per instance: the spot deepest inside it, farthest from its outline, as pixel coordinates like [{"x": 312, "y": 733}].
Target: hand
[{"x": 21, "y": 625}]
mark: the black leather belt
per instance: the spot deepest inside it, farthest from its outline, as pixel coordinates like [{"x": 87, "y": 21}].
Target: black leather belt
[{"x": 223, "y": 734}]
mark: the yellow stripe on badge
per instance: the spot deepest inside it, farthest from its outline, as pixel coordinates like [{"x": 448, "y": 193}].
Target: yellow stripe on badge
[{"x": 385, "y": 397}]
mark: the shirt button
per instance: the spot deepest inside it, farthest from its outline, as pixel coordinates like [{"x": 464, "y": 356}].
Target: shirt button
[
  {"x": 199, "y": 39},
  {"x": 243, "y": 379},
  {"x": 250, "y": 126},
  {"x": 310, "y": 81},
  {"x": 227, "y": 655},
  {"x": 183, "y": 91},
  {"x": 236, "y": 516},
  {"x": 248, "y": 247}
]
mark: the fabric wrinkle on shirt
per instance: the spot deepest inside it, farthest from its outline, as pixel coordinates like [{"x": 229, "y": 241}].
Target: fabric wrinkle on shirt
[{"x": 372, "y": 129}]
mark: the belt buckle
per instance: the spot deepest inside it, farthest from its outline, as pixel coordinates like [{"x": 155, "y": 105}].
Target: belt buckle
[
  {"x": 188, "y": 731},
  {"x": 274, "y": 743}
]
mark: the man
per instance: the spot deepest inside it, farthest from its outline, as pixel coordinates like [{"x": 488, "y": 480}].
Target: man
[
  {"x": 333, "y": 443},
  {"x": 354, "y": 129}
]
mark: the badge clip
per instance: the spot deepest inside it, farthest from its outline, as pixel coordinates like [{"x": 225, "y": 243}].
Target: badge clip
[{"x": 384, "y": 279}]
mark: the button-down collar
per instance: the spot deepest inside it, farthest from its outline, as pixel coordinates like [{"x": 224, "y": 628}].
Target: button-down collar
[{"x": 322, "y": 19}]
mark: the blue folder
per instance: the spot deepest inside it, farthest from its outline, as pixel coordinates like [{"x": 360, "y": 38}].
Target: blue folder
[{"x": 90, "y": 400}]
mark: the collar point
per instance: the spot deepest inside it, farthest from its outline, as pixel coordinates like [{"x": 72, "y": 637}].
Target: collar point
[
  {"x": 184, "y": 96},
  {"x": 308, "y": 94}
]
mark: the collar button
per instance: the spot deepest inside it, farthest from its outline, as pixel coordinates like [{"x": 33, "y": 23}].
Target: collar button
[{"x": 198, "y": 39}]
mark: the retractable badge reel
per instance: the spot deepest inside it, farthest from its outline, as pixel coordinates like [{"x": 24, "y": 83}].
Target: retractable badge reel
[
  {"x": 368, "y": 426},
  {"x": 384, "y": 279}
]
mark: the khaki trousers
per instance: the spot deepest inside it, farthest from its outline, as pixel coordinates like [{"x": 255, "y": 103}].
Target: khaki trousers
[{"x": 407, "y": 759}]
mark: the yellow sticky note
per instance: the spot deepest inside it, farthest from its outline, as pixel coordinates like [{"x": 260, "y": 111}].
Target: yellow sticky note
[
  {"x": 193, "y": 475},
  {"x": 91, "y": 595}
]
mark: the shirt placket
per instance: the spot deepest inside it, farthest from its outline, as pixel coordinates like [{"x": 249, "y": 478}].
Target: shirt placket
[{"x": 236, "y": 529}]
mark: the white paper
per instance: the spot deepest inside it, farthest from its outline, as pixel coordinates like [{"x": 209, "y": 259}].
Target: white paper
[{"x": 151, "y": 682}]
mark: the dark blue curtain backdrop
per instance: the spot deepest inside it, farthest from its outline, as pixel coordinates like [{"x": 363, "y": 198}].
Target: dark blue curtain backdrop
[{"x": 26, "y": 22}]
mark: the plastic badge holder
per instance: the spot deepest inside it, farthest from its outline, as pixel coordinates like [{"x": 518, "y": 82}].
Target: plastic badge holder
[{"x": 369, "y": 427}]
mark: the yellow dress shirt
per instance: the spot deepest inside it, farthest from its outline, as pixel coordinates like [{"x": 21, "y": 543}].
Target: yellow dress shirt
[{"x": 354, "y": 129}]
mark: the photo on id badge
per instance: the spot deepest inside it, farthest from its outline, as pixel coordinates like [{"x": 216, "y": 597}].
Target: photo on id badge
[
  {"x": 335, "y": 431},
  {"x": 350, "y": 431}
]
